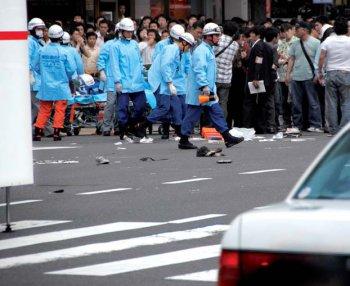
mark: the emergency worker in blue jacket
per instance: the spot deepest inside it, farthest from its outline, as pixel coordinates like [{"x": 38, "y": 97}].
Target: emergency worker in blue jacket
[
  {"x": 168, "y": 67},
  {"x": 107, "y": 81},
  {"x": 201, "y": 81},
  {"x": 126, "y": 66},
  {"x": 36, "y": 28},
  {"x": 56, "y": 68}
]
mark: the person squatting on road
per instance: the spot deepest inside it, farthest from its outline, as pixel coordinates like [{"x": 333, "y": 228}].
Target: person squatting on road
[
  {"x": 56, "y": 67},
  {"x": 201, "y": 80},
  {"x": 126, "y": 65},
  {"x": 170, "y": 68}
]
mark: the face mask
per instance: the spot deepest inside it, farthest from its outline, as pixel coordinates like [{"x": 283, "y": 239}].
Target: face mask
[{"x": 39, "y": 33}]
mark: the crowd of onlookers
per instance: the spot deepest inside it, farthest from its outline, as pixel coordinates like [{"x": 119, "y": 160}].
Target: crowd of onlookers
[{"x": 304, "y": 67}]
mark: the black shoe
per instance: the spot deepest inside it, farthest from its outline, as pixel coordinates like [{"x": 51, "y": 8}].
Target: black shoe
[
  {"x": 165, "y": 134},
  {"x": 38, "y": 133},
  {"x": 185, "y": 144},
  {"x": 106, "y": 133},
  {"x": 56, "y": 134},
  {"x": 122, "y": 131},
  {"x": 231, "y": 140}
]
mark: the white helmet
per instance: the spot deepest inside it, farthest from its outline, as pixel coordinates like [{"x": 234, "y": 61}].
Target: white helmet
[
  {"x": 35, "y": 23},
  {"x": 55, "y": 32},
  {"x": 211, "y": 29},
  {"x": 65, "y": 38},
  {"x": 86, "y": 80},
  {"x": 187, "y": 37},
  {"x": 176, "y": 31},
  {"x": 117, "y": 27},
  {"x": 127, "y": 25}
]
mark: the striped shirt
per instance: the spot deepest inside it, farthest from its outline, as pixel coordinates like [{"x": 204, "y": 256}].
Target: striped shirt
[{"x": 225, "y": 60}]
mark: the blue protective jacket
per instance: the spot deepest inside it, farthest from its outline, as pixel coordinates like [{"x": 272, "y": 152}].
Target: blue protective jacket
[
  {"x": 202, "y": 73},
  {"x": 76, "y": 58},
  {"x": 171, "y": 66},
  {"x": 33, "y": 49},
  {"x": 126, "y": 65},
  {"x": 103, "y": 63},
  {"x": 56, "y": 68},
  {"x": 160, "y": 47}
]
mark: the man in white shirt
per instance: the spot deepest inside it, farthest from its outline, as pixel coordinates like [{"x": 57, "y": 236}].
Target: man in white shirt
[
  {"x": 335, "y": 56},
  {"x": 102, "y": 33}
]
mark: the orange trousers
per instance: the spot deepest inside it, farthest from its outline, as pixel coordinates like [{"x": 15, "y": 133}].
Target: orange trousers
[{"x": 45, "y": 113}]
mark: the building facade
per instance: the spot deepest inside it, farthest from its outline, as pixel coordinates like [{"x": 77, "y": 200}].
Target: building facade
[{"x": 219, "y": 10}]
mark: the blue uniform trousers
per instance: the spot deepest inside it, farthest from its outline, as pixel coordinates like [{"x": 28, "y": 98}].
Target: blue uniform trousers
[
  {"x": 169, "y": 109},
  {"x": 182, "y": 98},
  {"x": 139, "y": 101},
  {"x": 193, "y": 114}
]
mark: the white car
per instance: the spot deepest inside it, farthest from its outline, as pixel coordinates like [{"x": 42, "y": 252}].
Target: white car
[{"x": 304, "y": 240}]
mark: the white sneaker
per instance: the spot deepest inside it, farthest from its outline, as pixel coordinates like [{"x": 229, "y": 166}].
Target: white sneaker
[
  {"x": 315, "y": 129},
  {"x": 128, "y": 139},
  {"x": 294, "y": 130},
  {"x": 146, "y": 140}
]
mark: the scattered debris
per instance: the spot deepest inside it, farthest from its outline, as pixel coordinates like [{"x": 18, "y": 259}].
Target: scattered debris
[
  {"x": 118, "y": 143},
  {"x": 121, "y": 148},
  {"x": 58, "y": 191},
  {"x": 145, "y": 159},
  {"x": 146, "y": 140},
  {"x": 224, "y": 161},
  {"x": 266, "y": 140},
  {"x": 204, "y": 151},
  {"x": 128, "y": 139},
  {"x": 247, "y": 133},
  {"x": 101, "y": 160}
]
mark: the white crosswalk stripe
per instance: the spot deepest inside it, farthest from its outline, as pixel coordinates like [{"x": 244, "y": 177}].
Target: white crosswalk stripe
[
  {"x": 152, "y": 260},
  {"x": 143, "y": 263},
  {"x": 107, "y": 247},
  {"x": 204, "y": 276},
  {"x": 25, "y": 224}
]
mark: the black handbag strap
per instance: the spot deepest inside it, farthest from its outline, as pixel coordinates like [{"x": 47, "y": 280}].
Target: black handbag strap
[
  {"x": 307, "y": 57},
  {"x": 224, "y": 49}
]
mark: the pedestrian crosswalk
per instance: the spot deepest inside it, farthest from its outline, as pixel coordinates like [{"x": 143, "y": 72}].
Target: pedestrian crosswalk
[{"x": 154, "y": 259}]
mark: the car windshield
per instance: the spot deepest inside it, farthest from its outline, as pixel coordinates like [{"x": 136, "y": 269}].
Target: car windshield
[{"x": 331, "y": 178}]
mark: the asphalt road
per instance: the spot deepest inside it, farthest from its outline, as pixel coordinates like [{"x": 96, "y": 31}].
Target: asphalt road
[{"x": 157, "y": 219}]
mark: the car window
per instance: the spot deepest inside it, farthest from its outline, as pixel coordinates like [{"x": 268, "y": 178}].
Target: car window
[{"x": 331, "y": 178}]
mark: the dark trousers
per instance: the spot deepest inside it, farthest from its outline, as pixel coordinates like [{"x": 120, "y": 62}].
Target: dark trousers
[
  {"x": 259, "y": 111},
  {"x": 236, "y": 98},
  {"x": 139, "y": 101},
  {"x": 286, "y": 105},
  {"x": 169, "y": 109},
  {"x": 193, "y": 115}
]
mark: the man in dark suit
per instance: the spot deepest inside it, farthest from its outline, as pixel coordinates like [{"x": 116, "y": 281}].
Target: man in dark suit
[{"x": 259, "y": 109}]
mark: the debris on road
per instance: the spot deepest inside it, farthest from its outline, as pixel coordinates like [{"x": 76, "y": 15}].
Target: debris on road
[
  {"x": 101, "y": 160},
  {"x": 279, "y": 135},
  {"x": 58, "y": 191},
  {"x": 118, "y": 143},
  {"x": 224, "y": 161},
  {"x": 247, "y": 133},
  {"x": 146, "y": 140},
  {"x": 204, "y": 151},
  {"x": 145, "y": 159}
]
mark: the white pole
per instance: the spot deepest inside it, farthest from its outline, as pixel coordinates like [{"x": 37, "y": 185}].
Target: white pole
[{"x": 16, "y": 158}]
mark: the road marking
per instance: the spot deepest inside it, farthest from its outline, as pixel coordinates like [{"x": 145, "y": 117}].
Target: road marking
[
  {"x": 142, "y": 263},
  {"x": 196, "y": 218},
  {"x": 73, "y": 233},
  {"x": 186, "y": 181},
  {"x": 86, "y": 231},
  {"x": 25, "y": 224},
  {"x": 262, "y": 171},
  {"x": 55, "y": 162},
  {"x": 55, "y": 148},
  {"x": 21, "y": 202},
  {"x": 113, "y": 246},
  {"x": 203, "y": 276},
  {"x": 104, "y": 191}
]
